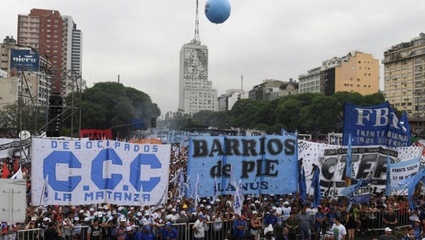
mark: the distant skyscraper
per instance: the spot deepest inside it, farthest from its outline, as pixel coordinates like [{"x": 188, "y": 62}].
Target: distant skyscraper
[
  {"x": 195, "y": 91},
  {"x": 56, "y": 38}
]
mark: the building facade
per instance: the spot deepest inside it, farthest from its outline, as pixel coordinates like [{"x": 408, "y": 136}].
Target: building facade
[
  {"x": 288, "y": 88},
  {"x": 268, "y": 90},
  {"x": 310, "y": 82},
  {"x": 228, "y": 99},
  {"x": 56, "y": 38},
  {"x": 404, "y": 79},
  {"x": 195, "y": 91},
  {"x": 354, "y": 72},
  {"x": 32, "y": 86}
]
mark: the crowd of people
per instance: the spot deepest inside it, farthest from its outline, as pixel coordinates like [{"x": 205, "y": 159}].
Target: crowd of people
[{"x": 265, "y": 216}]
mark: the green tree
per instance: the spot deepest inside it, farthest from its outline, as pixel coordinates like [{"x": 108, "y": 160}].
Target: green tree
[{"x": 112, "y": 105}]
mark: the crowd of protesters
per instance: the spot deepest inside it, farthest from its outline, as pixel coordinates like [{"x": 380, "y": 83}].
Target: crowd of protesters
[
  {"x": 269, "y": 216},
  {"x": 277, "y": 216}
]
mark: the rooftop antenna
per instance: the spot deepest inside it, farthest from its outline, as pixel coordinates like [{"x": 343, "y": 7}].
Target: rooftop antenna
[
  {"x": 241, "y": 82},
  {"x": 196, "y": 38}
]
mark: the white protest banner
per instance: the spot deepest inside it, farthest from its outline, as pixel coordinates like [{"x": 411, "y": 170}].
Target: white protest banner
[
  {"x": 89, "y": 172},
  {"x": 15, "y": 147},
  {"x": 368, "y": 162},
  {"x": 401, "y": 171}
]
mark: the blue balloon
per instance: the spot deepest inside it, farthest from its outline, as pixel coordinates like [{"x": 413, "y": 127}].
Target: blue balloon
[{"x": 217, "y": 11}]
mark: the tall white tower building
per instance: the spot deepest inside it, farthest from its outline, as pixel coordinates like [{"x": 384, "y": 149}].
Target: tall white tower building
[{"x": 195, "y": 91}]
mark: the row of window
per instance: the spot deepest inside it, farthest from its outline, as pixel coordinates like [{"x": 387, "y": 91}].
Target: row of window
[{"x": 358, "y": 85}]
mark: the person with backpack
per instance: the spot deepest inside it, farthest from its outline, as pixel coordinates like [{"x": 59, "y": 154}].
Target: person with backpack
[{"x": 94, "y": 232}]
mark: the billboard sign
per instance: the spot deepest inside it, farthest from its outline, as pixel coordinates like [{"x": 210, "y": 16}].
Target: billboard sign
[{"x": 24, "y": 60}]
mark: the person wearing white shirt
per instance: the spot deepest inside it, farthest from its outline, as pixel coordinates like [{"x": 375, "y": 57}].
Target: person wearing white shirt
[
  {"x": 198, "y": 228},
  {"x": 338, "y": 229}
]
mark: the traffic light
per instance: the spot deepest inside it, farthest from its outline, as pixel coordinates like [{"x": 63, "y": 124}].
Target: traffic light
[{"x": 153, "y": 122}]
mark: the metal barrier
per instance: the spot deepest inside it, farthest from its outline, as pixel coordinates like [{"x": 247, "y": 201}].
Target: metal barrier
[
  {"x": 30, "y": 234},
  {"x": 368, "y": 221}
]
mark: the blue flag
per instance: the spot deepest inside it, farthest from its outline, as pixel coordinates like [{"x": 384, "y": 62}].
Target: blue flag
[
  {"x": 359, "y": 199},
  {"x": 283, "y": 132},
  {"x": 349, "y": 164},
  {"x": 349, "y": 191},
  {"x": 416, "y": 179},
  {"x": 315, "y": 184},
  {"x": 302, "y": 185}
]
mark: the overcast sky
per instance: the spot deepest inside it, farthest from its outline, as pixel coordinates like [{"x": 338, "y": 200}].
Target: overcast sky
[{"x": 140, "y": 40}]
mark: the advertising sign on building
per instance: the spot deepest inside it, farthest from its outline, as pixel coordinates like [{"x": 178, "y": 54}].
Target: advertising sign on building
[{"x": 24, "y": 60}]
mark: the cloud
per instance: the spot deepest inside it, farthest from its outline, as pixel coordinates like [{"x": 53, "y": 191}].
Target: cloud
[{"x": 140, "y": 40}]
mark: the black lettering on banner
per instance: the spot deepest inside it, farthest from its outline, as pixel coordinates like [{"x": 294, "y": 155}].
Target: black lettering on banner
[
  {"x": 233, "y": 146},
  {"x": 229, "y": 147},
  {"x": 249, "y": 147},
  {"x": 328, "y": 167},
  {"x": 290, "y": 146},
  {"x": 268, "y": 171},
  {"x": 219, "y": 170},
  {"x": 277, "y": 143},
  {"x": 200, "y": 148},
  {"x": 361, "y": 150},
  {"x": 216, "y": 147}
]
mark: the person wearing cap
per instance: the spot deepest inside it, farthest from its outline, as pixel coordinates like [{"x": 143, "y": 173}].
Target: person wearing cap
[
  {"x": 147, "y": 234},
  {"x": 92, "y": 213},
  {"x": 76, "y": 233},
  {"x": 32, "y": 224},
  {"x": 198, "y": 228},
  {"x": 120, "y": 231},
  {"x": 133, "y": 234},
  {"x": 338, "y": 229},
  {"x": 168, "y": 232},
  {"x": 43, "y": 226},
  {"x": 94, "y": 231},
  {"x": 147, "y": 220},
  {"x": 255, "y": 225},
  {"x": 388, "y": 235},
  {"x": 268, "y": 233},
  {"x": 285, "y": 212},
  {"x": 271, "y": 218}
]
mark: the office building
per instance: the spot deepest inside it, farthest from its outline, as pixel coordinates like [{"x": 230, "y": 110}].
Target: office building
[
  {"x": 57, "y": 39},
  {"x": 30, "y": 83},
  {"x": 195, "y": 91},
  {"x": 228, "y": 99},
  {"x": 404, "y": 79},
  {"x": 354, "y": 72},
  {"x": 310, "y": 82}
]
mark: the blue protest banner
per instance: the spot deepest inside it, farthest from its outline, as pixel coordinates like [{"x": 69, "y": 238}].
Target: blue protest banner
[
  {"x": 264, "y": 164},
  {"x": 374, "y": 125}
]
